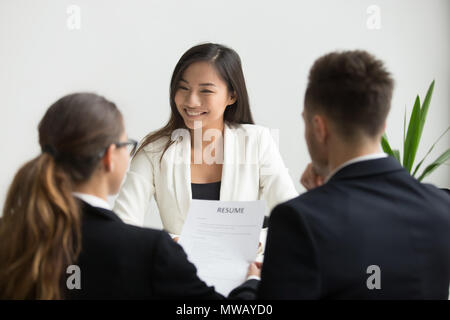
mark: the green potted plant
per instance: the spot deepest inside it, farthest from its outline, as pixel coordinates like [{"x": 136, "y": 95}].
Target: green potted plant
[{"x": 412, "y": 139}]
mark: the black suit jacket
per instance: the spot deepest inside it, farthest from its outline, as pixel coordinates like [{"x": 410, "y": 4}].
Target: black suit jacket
[
  {"x": 321, "y": 243},
  {"x": 120, "y": 261}
]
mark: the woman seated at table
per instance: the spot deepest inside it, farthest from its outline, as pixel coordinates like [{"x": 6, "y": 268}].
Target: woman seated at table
[
  {"x": 56, "y": 215},
  {"x": 209, "y": 149}
]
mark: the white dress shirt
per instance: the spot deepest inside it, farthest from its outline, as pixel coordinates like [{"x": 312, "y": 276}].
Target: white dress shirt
[{"x": 92, "y": 200}]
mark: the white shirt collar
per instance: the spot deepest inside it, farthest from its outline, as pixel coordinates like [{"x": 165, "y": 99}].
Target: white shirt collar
[
  {"x": 92, "y": 200},
  {"x": 366, "y": 157}
]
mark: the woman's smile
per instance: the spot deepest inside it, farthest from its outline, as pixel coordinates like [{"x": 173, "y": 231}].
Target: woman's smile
[{"x": 194, "y": 113}]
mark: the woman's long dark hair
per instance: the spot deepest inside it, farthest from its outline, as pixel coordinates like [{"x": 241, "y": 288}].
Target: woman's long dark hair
[
  {"x": 228, "y": 65},
  {"x": 40, "y": 232}
]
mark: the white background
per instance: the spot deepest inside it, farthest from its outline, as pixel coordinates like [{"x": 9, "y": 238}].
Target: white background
[{"x": 126, "y": 51}]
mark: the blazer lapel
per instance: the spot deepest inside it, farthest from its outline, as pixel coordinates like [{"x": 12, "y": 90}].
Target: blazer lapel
[
  {"x": 181, "y": 164},
  {"x": 230, "y": 165}
]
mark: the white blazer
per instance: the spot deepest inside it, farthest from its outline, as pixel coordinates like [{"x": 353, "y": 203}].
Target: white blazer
[{"x": 252, "y": 170}]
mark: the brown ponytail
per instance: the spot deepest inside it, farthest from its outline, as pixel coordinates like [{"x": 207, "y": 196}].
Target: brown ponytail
[
  {"x": 47, "y": 236},
  {"x": 40, "y": 231}
]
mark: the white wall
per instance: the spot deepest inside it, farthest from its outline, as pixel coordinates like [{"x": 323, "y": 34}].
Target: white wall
[{"x": 126, "y": 50}]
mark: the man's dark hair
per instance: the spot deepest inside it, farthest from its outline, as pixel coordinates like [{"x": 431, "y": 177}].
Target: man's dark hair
[{"x": 353, "y": 89}]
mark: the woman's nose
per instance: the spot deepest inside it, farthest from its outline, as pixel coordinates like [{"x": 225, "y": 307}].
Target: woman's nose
[{"x": 192, "y": 100}]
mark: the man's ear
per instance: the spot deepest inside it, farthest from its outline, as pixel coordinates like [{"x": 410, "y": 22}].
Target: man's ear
[
  {"x": 107, "y": 160},
  {"x": 320, "y": 127}
]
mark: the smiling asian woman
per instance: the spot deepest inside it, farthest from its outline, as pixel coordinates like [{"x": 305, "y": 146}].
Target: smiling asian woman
[{"x": 209, "y": 149}]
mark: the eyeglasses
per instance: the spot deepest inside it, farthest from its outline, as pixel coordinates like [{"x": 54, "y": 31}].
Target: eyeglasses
[{"x": 130, "y": 144}]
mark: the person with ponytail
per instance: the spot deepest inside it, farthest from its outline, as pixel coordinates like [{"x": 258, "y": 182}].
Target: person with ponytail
[{"x": 56, "y": 215}]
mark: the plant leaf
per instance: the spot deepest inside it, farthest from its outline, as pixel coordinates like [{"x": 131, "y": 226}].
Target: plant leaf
[
  {"x": 436, "y": 163},
  {"x": 397, "y": 155},
  {"x": 429, "y": 151},
  {"x": 385, "y": 145},
  {"x": 404, "y": 127},
  {"x": 425, "y": 107},
  {"x": 387, "y": 148},
  {"x": 412, "y": 137}
]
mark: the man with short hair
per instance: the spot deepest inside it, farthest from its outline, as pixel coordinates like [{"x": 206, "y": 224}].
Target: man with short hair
[{"x": 370, "y": 231}]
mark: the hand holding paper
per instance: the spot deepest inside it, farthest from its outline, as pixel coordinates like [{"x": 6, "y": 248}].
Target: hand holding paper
[{"x": 221, "y": 239}]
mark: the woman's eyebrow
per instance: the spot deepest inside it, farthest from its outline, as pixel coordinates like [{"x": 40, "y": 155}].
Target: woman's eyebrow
[{"x": 201, "y": 84}]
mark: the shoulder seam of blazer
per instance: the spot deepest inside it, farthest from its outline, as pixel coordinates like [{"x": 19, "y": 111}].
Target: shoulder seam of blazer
[
  {"x": 104, "y": 213},
  {"x": 368, "y": 168}
]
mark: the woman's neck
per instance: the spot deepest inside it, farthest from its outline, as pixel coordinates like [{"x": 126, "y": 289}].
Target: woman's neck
[
  {"x": 198, "y": 135},
  {"x": 210, "y": 146}
]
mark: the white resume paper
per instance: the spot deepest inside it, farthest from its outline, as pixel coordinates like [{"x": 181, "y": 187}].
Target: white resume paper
[{"x": 221, "y": 239}]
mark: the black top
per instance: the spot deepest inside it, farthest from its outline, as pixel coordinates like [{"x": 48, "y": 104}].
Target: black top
[
  {"x": 121, "y": 261},
  {"x": 320, "y": 244},
  {"x": 206, "y": 191}
]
